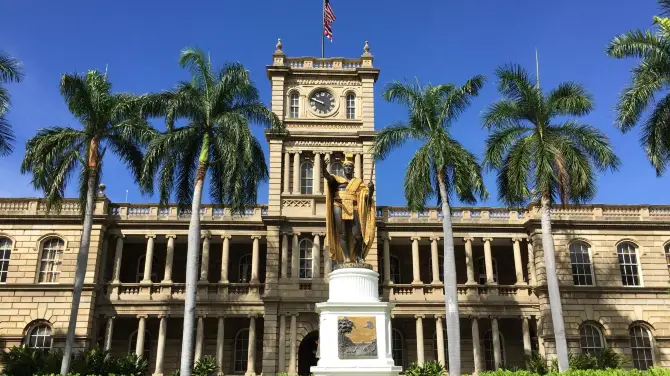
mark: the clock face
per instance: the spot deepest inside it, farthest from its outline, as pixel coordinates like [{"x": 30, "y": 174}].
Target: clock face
[{"x": 322, "y": 102}]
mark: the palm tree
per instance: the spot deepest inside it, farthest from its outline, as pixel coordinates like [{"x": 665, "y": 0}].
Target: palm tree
[
  {"x": 440, "y": 168},
  {"x": 536, "y": 153},
  {"x": 650, "y": 77},
  {"x": 109, "y": 121},
  {"x": 217, "y": 108},
  {"x": 10, "y": 71}
]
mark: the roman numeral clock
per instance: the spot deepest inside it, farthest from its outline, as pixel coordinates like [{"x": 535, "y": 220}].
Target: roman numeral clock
[{"x": 322, "y": 102}]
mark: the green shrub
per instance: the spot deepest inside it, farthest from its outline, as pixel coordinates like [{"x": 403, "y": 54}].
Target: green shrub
[
  {"x": 536, "y": 363},
  {"x": 427, "y": 369},
  {"x": 589, "y": 372},
  {"x": 609, "y": 359},
  {"x": 582, "y": 361},
  {"x": 205, "y": 366}
]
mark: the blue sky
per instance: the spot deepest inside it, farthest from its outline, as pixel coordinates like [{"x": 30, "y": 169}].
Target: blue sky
[{"x": 436, "y": 41}]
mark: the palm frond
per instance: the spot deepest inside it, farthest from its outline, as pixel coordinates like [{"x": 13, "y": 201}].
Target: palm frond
[
  {"x": 515, "y": 83},
  {"x": 7, "y": 138},
  {"x": 640, "y": 44},
  {"x": 593, "y": 143},
  {"x": 11, "y": 69},
  {"x": 458, "y": 100},
  {"x": 655, "y": 136},
  {"x": 418, "y": 181},
  {"x": 5, "y": 99},
  {"x": 502, "y": 113},
  {"x": 500, "y": 142},
  {"x": 570, "y": 98},
  {"x": 405, "y": 94},
  {"x": 74, "y": 89},
  {"x": 649, "y": 77},
  {"x": 199, "y": 65},
  {"x": 466, "y": 179},
  {"x": 393, "y": 137},
  {"x": 515, "y": 171}
]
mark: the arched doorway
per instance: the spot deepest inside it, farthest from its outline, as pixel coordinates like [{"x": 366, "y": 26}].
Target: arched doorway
[{"x": 307, "y": 353}]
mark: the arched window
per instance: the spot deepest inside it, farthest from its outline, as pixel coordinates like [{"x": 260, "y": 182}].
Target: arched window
[
  {"x": 132, "y": 344},
  {"x": 337, "y": 169},
  {"x": 591, "y": 339},
  {"x": 39, "y": 336},
  {"x": 440, "y": 267},
  {"x": 306, "y": 177},
  {"x": 395, "y": 270},
  {"x": 139, "y": 276},
  {"x": 351, "y": 106},
  {"x": 5, "y": 253},
  {"x": 398, "y": 348},
  {"x": 446, "y": 347},
  {"x": 50, "y": 259},
  {"x": 630, "y": 273},
  {"x": 294, "y": 105},
  {"x": 582, "y": 268},
  {"x": 244, "y": 270},
  {"x": 481, "y": 262},
  {"x": 489, "y": 357},
  {"x": 667, "y": 256},
  {"x": 642, "y": 347},
  {"x": 241, "y": 350},
  {"x": 305, "y": 258}
]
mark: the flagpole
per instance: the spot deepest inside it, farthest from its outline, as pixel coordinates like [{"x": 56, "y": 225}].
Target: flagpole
[
  {"x": 323, "y": 28},
  {"x": 537, "y": 68}
]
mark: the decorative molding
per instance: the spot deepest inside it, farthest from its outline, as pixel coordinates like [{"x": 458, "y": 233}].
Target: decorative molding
[
  {"x": 296, "y": 203},
  {"x": 329, "y": 82},
  {"x": 323, "y": 126}
]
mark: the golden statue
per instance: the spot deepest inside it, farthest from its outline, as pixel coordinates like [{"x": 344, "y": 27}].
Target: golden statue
[{"x": 350, "y": 214}]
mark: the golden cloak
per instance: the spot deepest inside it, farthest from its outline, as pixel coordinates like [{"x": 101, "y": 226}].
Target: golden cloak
[{"x": 366, "y": 214}]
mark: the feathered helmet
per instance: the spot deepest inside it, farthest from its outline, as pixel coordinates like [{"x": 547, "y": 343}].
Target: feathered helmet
[{"x": 348, "y": 159}]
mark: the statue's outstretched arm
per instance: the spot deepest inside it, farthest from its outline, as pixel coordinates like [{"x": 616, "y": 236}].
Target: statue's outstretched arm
[{"x": 324, "y": 171}]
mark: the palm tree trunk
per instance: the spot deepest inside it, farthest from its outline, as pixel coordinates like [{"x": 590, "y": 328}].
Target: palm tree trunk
[
  {"x": 80, "y": 271},
  {"x": 192, "y": 261},
  {"x": 552, "y": 287},
  {"x": 450, "y": 293}
]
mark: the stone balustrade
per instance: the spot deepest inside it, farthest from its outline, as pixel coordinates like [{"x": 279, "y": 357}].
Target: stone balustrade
[
  {"x": 173, "y": 212},
  {"x": 327, "y": 63},
  {"x": 177, "y": 291},
  {"x": 430, "y": 292}
]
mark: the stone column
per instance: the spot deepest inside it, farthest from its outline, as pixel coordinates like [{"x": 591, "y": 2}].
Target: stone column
[
  {"x": 476, "y": 347},
  {"x": 327, "y": 262},
  {"x": 358, "y": 170},
  {"x": 532, "y": 276},
  {"x": 118, "y": 254},
  {"x": 419, "y": 339},
  {"x": 495, "y": 333},
  {"x": 293, "y": 345},
  {"x": 317, "y": 174},
  {"x": 416, "y": 271},
  {"x": 160, "y": 349},
  {"x": 435, "y": 264},
  {"x": 517, "y": 262},
  {"x": 148, "y": 259},
  {"x": 526, "y": 335},
  {"x": 540, "y": 337},
  {"x": 109, "y": 332},
  {"x": 141, "y": 328},
  {"x": 328, "y": 168},
  {"x": 251, "y": 357},
  {"x": 469, "y": 262},
  {"x": 439, "y": 331},
  {"x": 282, "y": 343},
  {"x": 295, "y": 256},
  {"x": 204, "y": 265},
  {"x": 287, "y": 172},
  {"x": 387, "y": 260},
  {"x": 316, "y": 256},
  {"x": 169, "y": 256},
  {"x": 284, "y": 255},
  {"x": 225, "y": 255},
  {"x": 255, "y": 259},
  {"x": 220, "y": 342},
  {"x": 199, "y": 338},
  {"x": 488, "y": 262},
  {"x": 296, "y": 173}
]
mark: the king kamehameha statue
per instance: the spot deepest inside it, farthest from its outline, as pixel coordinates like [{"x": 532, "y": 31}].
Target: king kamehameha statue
[
  {"x": 350, "y": 214},
  {"x": 354, "y": 325}
]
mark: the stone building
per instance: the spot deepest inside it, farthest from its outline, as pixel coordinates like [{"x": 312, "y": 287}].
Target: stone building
[{"x": 263, "y": 270}]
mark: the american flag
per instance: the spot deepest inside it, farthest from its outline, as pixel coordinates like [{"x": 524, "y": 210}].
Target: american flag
[{"x": 328, "y": 18}]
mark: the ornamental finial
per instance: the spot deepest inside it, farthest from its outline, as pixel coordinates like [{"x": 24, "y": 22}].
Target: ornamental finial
[
  {"x": 279, "y": 46},
  {"x": 366, "y": 48}
]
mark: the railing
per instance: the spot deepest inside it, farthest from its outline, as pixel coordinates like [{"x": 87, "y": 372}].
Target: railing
[
  {"x": 328, "y": 63},
  {"x": 177, "y": 291},
  {"x": 436, "y": 292},
  {"x": 173, "y": 212}
]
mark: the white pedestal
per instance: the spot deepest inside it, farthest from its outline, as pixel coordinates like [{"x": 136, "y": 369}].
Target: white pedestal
[{"x": 353, "y": 293}]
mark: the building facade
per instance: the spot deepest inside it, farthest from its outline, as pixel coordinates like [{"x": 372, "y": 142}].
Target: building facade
[{"x": 262, "y": 271}]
